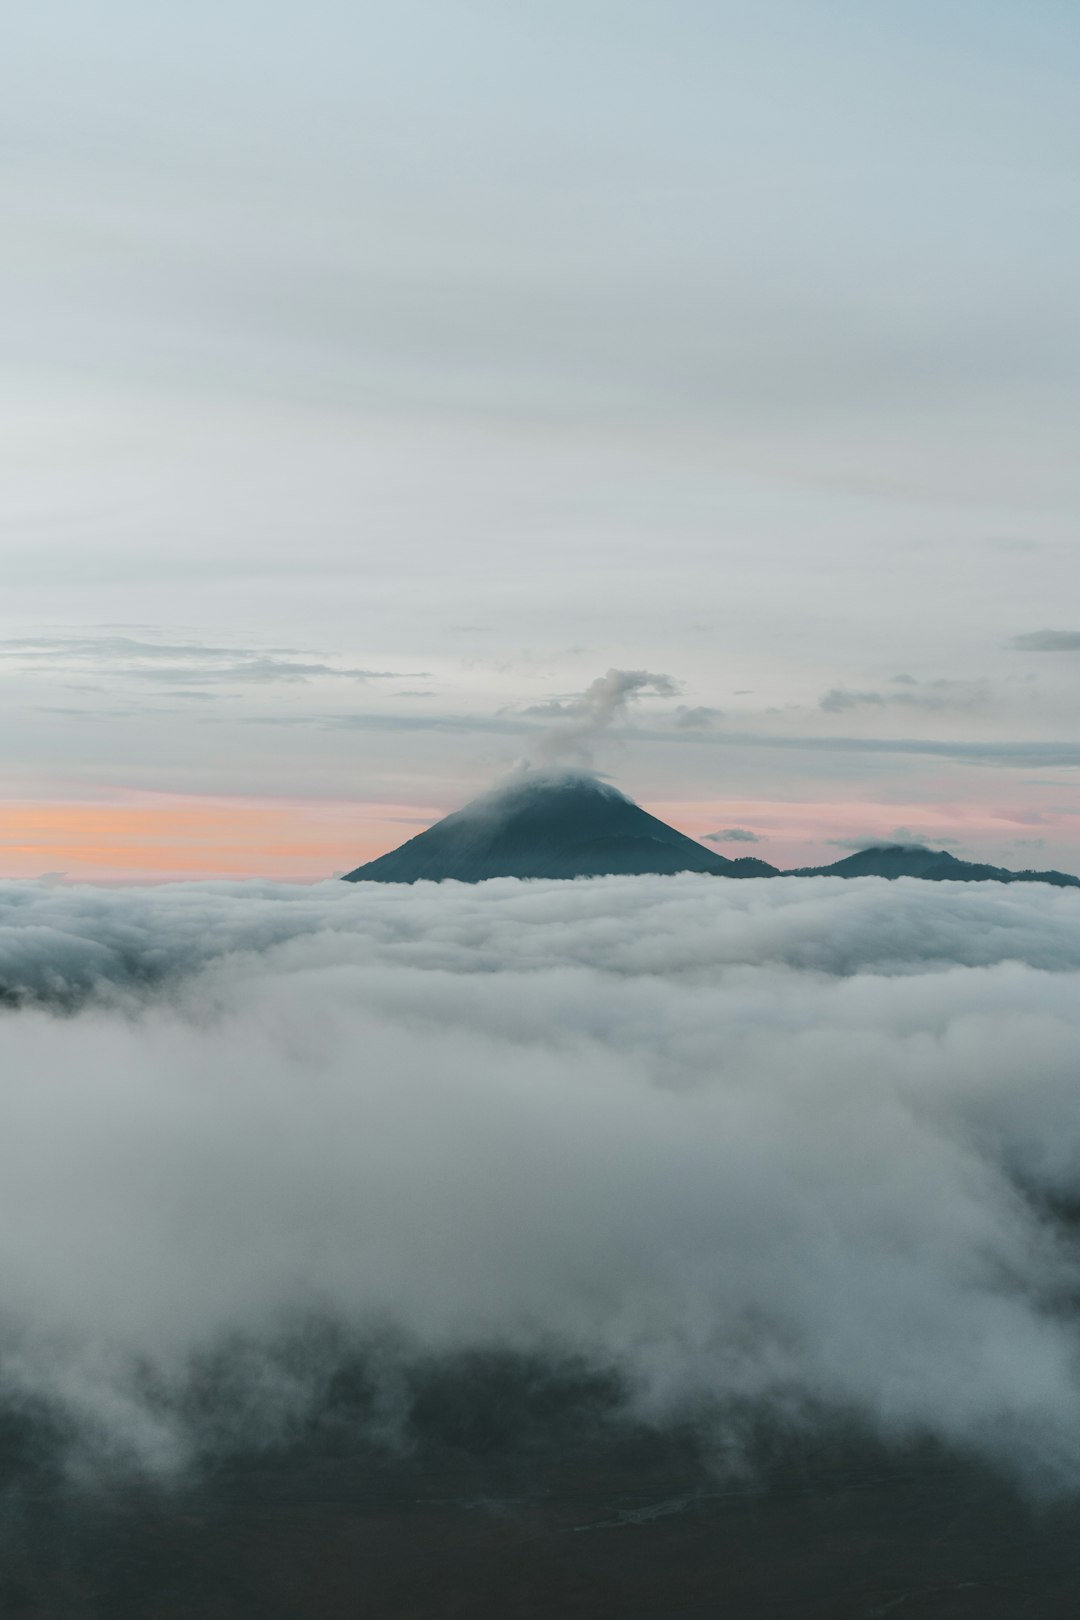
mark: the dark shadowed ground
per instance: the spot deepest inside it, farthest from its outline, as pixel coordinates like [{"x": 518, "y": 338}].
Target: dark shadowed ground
[{"x": 516, "y": 1499}]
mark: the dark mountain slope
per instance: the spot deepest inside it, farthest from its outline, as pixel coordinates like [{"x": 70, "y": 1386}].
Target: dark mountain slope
[
  {"x": 551, "y": 827},
  {"x": 937, "y": 865},
  {"x": 540, "y": 826}
]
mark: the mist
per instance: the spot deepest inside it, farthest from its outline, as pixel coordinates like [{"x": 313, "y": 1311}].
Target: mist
[{"x": 802, "y": 1152}]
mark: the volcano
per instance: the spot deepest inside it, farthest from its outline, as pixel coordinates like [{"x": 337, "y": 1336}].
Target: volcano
[
  {"x": 570, "y": 826},
  {"x": 540, "y": 826}
]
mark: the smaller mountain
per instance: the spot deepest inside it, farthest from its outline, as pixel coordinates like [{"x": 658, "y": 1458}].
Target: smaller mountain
[
  {"x": 541, "y": 826},
  {"x": 935, "y": 865}
]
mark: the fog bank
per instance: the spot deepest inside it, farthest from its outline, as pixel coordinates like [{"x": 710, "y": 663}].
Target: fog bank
[{"x": 753, "y": 1147}]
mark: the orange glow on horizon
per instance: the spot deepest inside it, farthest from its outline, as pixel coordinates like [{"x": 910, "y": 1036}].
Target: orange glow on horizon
[
  {"x": 153, "y": 837},
  {"x": 164, "y": 836}
]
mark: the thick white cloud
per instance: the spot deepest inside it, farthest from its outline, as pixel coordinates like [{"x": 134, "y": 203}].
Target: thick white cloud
[{"x": 807, "y": 1144}]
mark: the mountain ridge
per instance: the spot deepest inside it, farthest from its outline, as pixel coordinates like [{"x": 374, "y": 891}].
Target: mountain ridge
[
  {"x": 577, "y": 825},
  {"x": 931, "y": 865}
]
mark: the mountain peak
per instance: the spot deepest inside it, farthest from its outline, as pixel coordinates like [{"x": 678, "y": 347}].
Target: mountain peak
[
  {"x": 936, "y": 865},
  {"x": 551, "y": 825},
  {"x": 570, "y": 824}
]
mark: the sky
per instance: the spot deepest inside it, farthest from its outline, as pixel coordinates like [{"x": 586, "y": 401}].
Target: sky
[{"x": 376, "y": 377}]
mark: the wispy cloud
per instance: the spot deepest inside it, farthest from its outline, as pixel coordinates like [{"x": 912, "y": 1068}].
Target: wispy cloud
[
  {"x": 838, "y": 699},
  {"x": 258, "y": 671},
  {"x": 1047, "y": 641},
  {"x": 698, "y": 718},
  {"x": 1042, "y": 754},
  {"x": 935, "y": 695},
  {"x": 107, "y": 649},
  {"x": 900, "y": 837},
  {"x": 186, "y": 663}
]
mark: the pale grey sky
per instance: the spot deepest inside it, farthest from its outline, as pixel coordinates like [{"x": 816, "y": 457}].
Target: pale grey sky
[{"x": 485, "y": 347}]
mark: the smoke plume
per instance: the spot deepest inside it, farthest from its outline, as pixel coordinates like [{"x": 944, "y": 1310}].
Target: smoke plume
[{"x": 573, "y": 737}]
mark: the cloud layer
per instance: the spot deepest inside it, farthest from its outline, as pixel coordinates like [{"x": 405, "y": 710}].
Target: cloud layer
[{"x": 794, "y": 1148}]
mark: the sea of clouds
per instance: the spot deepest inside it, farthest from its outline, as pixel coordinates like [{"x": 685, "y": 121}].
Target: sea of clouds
[{"x": 795, "y": 1148}]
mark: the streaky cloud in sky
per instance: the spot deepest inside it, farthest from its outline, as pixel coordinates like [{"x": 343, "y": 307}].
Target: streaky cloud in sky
[{"x": 1048, "y": 641}]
